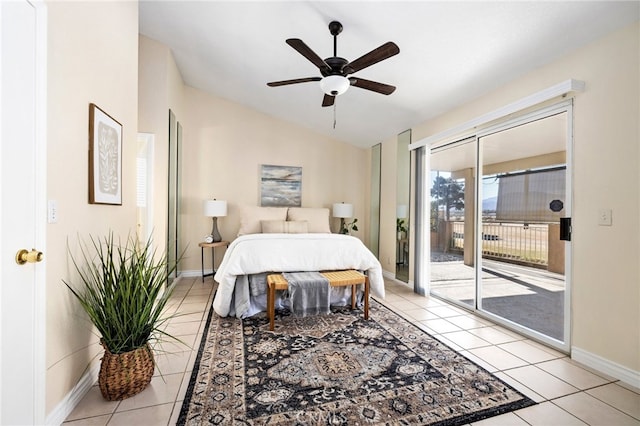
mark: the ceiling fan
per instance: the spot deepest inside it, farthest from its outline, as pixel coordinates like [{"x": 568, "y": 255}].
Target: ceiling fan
[{"x": 335, "y": 70}]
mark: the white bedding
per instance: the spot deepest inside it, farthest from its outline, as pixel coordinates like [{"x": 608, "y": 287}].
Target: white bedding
[{"x": 256, "y": 253}]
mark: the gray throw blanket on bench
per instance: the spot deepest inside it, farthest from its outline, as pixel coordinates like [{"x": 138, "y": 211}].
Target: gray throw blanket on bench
[{"x": 309, "y": 292}]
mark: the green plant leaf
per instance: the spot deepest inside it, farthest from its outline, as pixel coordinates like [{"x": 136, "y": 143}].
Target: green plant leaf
[{"x": 123, "y": 289}]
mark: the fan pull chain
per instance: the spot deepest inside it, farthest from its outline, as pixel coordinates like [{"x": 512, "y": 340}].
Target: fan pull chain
[{"x": 334, "y": 115}]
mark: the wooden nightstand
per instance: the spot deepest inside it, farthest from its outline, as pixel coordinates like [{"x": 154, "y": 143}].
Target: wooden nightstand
[{"x": 213, "y": 255}]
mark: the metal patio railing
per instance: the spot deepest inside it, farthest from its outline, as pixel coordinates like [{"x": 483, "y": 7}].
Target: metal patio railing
[{"x": 516, "y": 242}]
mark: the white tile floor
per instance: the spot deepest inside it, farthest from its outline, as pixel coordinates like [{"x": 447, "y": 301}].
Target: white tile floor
[{"x": 567, "y": 393}]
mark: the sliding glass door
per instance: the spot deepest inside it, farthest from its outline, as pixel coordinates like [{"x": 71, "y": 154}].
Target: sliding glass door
[
  {"x": 505, "y": 255},
  {"x": 452, "y": 194},
  {"x": 523, "y": 198}
]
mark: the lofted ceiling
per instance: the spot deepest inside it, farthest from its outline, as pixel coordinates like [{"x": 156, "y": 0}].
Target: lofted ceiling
[{"x": 450, "y": 53}]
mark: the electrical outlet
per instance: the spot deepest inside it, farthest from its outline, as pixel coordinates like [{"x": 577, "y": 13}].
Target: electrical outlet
[
  {"x": 52, "y": 211},
  {"x": 604, "y": 217}
]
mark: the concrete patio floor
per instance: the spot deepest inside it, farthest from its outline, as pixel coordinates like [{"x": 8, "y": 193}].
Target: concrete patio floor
[{"x": 531, "y": 297}]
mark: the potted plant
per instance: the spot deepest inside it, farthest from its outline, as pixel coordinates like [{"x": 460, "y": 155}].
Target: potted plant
[{"x": 123, "y": 289}]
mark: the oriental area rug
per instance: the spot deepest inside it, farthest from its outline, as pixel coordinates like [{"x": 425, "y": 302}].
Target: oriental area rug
[{"x": 337, "y": 369}]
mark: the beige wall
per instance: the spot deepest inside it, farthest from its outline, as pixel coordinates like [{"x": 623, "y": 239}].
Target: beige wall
[
  {"x": 224, "y": 145},
  {"x": 605, "y": 274},
  {"x": 87, "y": 62}
]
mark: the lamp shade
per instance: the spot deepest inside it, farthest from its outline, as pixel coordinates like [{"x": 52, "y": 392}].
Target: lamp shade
[
  {"x": 402, "y": 211},
  {"x": 215, "y": 208},
  {"x": 342, "y": 210},
  {"x": 334, "y": 85}
]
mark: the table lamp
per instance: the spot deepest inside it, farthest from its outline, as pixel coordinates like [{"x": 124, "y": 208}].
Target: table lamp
[
  {"x": 215, "y": 209},
  {"x": 342, "y": 210}
]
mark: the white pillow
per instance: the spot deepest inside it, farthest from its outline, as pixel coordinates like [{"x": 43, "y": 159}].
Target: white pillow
[
  {"x": 317, "y": 218},
  {"x": 284, "y": 227},
  {"x": 250, "y": 217}
]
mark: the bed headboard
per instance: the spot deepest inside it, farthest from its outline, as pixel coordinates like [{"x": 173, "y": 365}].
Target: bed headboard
[{"x": 256, "y": 220}]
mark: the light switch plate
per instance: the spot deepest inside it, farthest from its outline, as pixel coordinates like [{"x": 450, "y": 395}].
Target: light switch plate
[
  {"x": 604, "y": 217},
  {"x": 52, "y": 211}
]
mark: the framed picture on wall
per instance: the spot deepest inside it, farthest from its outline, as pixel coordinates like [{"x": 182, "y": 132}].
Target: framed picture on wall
[
  {"x": 281, "y": 186},
  {"x": 105, "y": 158}
]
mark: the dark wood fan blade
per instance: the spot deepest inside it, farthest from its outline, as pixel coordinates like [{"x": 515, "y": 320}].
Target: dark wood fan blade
[
  {"x": 294, "y": 81},
  {"x": 383, "y": 52},
  {"x": 306, "y": 51},
  {"x": 374, "y": 86},
  {"x": 328, "y": 100}
]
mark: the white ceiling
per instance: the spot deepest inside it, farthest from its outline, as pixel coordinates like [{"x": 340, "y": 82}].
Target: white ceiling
[{"x": 450, "y": 52}]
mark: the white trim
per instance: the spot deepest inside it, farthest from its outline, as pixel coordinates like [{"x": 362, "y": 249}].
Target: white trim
[
  {"x": 559, "y": 89},
  {"x": 1, "y": 204},
  {"x": 193, "y": 273},
  {"x": 606, "y": 366},
  {"x": 542, "y": 113},
  {"x": 40, "y": 331},
  {"x": 424, "y": 238},
  {"x": 477, "y": 231},
  {"x": 60, "y": 413},
  {"x": 568, "y": 246},
  {"x": 388, "y": 274}
]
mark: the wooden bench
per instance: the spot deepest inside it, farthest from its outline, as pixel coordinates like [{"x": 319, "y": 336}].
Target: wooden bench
[{"x": 336, "y": 279}]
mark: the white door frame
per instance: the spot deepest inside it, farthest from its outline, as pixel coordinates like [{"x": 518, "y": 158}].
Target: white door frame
[
  {"x": 38, "y": 332},
  {"x": 558, "y": 108}
]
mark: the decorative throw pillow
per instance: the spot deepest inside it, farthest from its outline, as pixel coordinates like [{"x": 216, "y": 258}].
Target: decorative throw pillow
[
  {"x": 251, "y": 216},
  {"x": 317, "y": 218},
  {"x": 283, "y": 227},
  {"x": 296, "y": 227}
]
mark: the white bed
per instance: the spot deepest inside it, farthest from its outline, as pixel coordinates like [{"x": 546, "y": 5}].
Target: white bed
[{"x": 275, "y": 252}]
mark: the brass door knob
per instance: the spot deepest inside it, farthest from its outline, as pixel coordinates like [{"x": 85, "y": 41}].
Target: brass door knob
[{"x": 25, "y": 256}]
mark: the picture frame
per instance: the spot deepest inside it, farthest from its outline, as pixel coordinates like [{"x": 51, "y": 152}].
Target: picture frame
[
  {"x": 281, "y": 186},
  {"x": 105, "y": 158}
]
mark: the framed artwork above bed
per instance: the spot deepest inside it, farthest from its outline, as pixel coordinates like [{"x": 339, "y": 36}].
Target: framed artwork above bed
[{"x": 281, "y": 186}]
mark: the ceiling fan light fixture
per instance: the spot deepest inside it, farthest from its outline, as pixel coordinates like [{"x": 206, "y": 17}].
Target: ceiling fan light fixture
[{"x": 334, "y": 85}]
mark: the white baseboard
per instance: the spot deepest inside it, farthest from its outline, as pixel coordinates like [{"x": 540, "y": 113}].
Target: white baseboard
[
  {"x": 606, "y": 366},
  {"x": 388, "y": 274},
  {"x": 60, "y": 413},
  {"x": 193, "y": 273}
]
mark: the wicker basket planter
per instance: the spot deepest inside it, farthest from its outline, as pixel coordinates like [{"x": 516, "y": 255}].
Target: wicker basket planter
[
  {"x": 123, "y": 288},
  {"x": 124, "y": 375}
]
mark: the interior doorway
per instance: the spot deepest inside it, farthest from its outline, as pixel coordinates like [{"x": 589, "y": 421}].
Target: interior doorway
[{"x": 499, "y": 201}]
